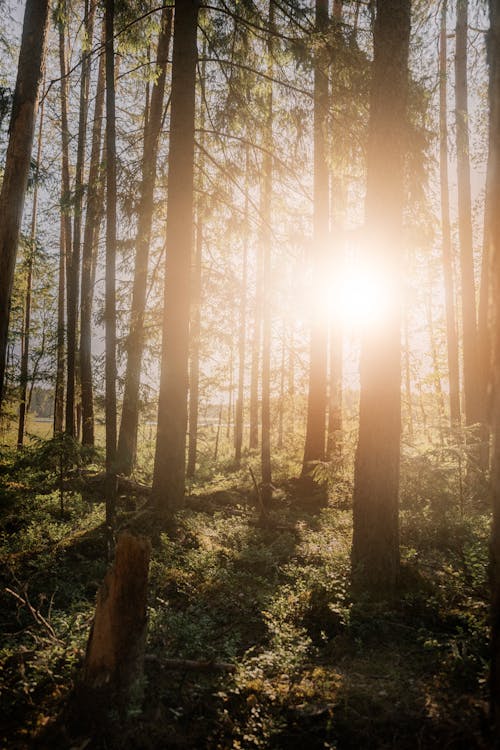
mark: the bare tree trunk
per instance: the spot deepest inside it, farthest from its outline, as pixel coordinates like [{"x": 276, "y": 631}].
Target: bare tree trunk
[
  {"x": 493, "y": 240},
  {"x": 89, "y": 251},
  {"x": 17, "y": 161},
  {"x": 436, "y": 371},
  {"x": 59, "y": 384},
  {"x": 242, "y": 330},
  {"x": 375, "y": 545},
  {"x": 195, "y": 333},
  {"x": 68, "y": 232},
  {"x": 170, "y": 458},
  {"x": 266, "y": 200},
  {"x": 25, "y": 346},
  {"x": 471, "y": 383},
  {"x": 447, "y": 248},
  {"x": 110, "y": 297},
  {"x": 253, "y": 439},
  {"x": 314, "y": 449},
  {"x": 127, "y": 442}
]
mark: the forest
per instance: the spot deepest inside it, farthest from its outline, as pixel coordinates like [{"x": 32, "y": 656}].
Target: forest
[{"x": 250, "y": 374}]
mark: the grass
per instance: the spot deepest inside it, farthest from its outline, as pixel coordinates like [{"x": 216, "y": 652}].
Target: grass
[{"x": 314, "y": 669}]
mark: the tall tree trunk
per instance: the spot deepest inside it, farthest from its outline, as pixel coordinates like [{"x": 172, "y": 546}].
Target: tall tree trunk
[
  {"x": 471, "y": 381},
  {"x": 73, "y": 369},
  {"x": 314, "y": 449},
  {"x": 68, "y": 235},
  {"x": 447, "y": 248},
  {"x": 170, "y": 458},
  {"x": 89, "y": 250},
  {"x": 265, "y": 210},
  {"x": 127, "y": 442},
  {"x": 195, "y": 334},
  {"x": 242, "y": 328},
  {"x": 110, "y": 282},
  {"x": 25, "y": 347},
  {"x": 493, "y": 239},
  {"x": 17, "y": 161},
  {"x": 253, "y": 438},
  {"x": 59, "y": 384},
  {"x": 375, "y": 546}
]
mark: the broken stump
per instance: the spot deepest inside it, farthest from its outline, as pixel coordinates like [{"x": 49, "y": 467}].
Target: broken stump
[{"x": 114, "y": 658}]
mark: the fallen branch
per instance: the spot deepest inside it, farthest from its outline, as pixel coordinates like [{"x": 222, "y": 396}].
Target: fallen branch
[
  {"x": 191, "y": 665},
  {"x": 35, "y": 613}
]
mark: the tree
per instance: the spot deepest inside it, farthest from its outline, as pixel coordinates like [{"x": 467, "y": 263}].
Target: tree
[
  {"x": 110, "y": 297},
  {"x": 493, "y": 239},
  {"x": 470, "y": 369},
  {"x": 170, "y": 458},
  {"x": 17, "y": 162},
  {"x": 314, "y": 449},
  {"x": 375, "y": 545},
  {"x": 127, "y": 440},
  {"x": 451, "y": 326}
]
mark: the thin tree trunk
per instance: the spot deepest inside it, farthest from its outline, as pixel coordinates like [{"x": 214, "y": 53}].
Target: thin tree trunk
[
  {"x": 25, "y": 347},
  {"x": 375, "y": 545},
  {"x": 170, "y": 457},
  {"x": 73, "y": 358},
  {"x": 195, "y": 333},
  {"x": 407, "y": 366},
  {"x": 281, "y": 402},
  {"x": 447, "y": 248},
  {"x": 110, "y": 281},
  {"x": 59, "y": 384},
  {"x": 242, "y": 328},
  {"x": 127, "y": 442},
  {"x": 493, "y": 239},
  {"x": 89, "y": 251},
  {"x": 266, "y": 214},
  {"x": 436, "y": 372},
  {"x": 471, "y": 382},
  {"x": 17, "y": 161},
  {"x": 314, "y": 449},
  {"x": 253, "y": 438},
  {"x": 65, "y": 208}
]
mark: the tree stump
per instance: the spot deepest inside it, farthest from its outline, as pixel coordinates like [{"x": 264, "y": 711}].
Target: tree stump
[{"x": 115, "y": 650}]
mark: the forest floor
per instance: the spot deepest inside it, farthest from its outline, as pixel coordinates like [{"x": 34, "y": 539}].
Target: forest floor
[{"x": 312, "y": 668}]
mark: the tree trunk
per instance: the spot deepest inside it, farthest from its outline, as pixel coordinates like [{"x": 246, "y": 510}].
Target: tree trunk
[
  {"x": 25, "y": 346},
  {"x": 471, "y": 381},
  {"x": 266, "y": 200},
  {"x": 493, "y": 238},
  {"x": 447, "y": 248},
  {"x": 17, "y": 161},
  {"x": 375, "y": 546},
  {"x": 170, "y": 458},
  {"x": 110, "y": 275},
  {"x": 253, "y": 438},
  {"x": 68, "y": 231},
  {"x": 195, "y": 333},
  {"x": 59, "y": 384},
  {"x": 89, "y": 251},
  {"x": 242, "y": 330},
  {"x": 314, "y": 449},
  {"x": 127, "y": 441},
  {"x": 115, "y": 650}
]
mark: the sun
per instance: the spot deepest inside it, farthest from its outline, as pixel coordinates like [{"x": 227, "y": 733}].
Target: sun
[{"x": 358, "y": 296}]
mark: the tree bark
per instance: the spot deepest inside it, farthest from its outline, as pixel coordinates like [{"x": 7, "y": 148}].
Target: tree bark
[
  {"x": 471, "y": 380},
  {"x": 110, "y": 274},
  {"x": 265, "y": 210},
  {"x": 447, "y": 248},
  {"x": 25, "y": 346},
  {"x": 127, "y": 441},
  {"x": 314, "y": 449},
  {"x": 115, "y": 650},
  {"x": 17, "y": 161},
  {"x": 170, "y": 457},
  {"x": 89, "y": 251},
  {"x": 375, "y": 546},
  {"x": 493, "y": 239}
]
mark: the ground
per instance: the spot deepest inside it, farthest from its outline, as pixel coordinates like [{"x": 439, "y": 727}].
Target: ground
[{"x": 312, "y": 667}]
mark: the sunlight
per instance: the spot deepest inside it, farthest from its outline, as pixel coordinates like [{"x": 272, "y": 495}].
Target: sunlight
[{"x": 358, "y": 295}]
